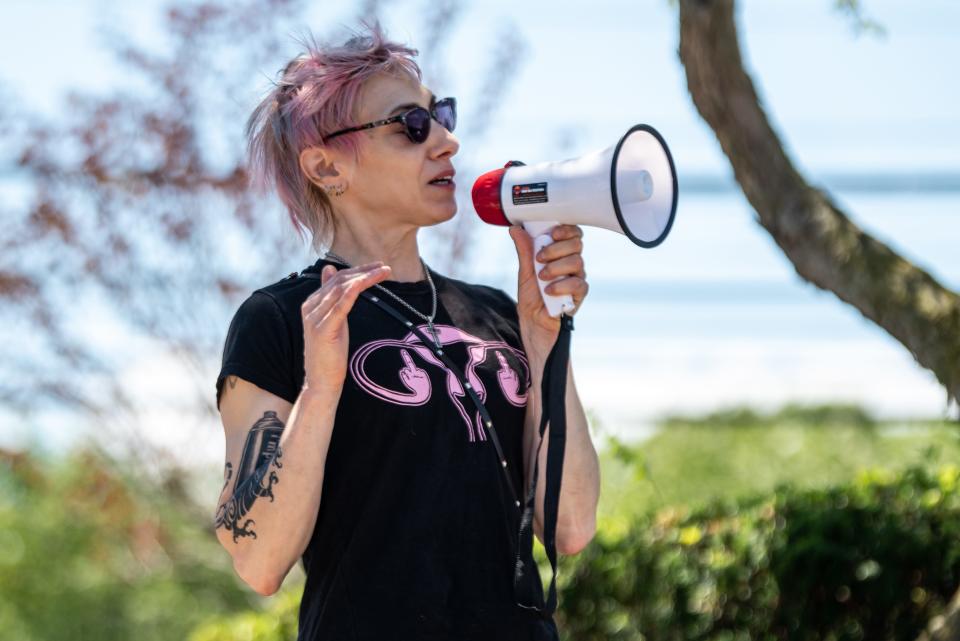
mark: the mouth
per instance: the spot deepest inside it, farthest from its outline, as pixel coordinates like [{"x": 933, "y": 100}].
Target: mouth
[{"x": 444, "y": 180}]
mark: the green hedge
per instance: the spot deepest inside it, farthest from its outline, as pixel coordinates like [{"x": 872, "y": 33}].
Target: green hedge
[{"x": 873, "y": 559}]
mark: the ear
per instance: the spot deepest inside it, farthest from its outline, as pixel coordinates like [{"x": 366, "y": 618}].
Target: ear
[{"x": 323, "y": 166}]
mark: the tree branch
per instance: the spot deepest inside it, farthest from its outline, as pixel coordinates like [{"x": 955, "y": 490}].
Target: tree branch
[{"x": 824, "y": 245}]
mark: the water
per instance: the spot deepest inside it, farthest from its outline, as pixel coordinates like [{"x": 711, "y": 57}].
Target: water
[
  {"x": 713, "y": 317},
  {"x": 716, "y": 316}
]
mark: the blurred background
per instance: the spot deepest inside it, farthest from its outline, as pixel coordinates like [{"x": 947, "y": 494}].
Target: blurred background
[{"x": 729, "y": 397}]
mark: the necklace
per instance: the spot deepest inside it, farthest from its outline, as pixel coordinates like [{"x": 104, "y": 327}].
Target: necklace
[{"x": 433, "y": 290}]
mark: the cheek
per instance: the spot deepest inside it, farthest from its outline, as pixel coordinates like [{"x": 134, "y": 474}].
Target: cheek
[
  {"x": 391, "y": 185},
  {"x": 394, "y": 173}
]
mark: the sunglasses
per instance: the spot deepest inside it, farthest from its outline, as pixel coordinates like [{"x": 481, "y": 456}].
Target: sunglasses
[{"x": 416, "y": 122}]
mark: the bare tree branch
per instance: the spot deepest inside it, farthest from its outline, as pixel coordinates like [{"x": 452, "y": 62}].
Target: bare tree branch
[{"x": 824, "y": 245}]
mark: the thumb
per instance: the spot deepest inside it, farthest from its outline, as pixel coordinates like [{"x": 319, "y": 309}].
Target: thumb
[
  {"x": 326, "y": 273},
  {"x": 524, "y": 245}
]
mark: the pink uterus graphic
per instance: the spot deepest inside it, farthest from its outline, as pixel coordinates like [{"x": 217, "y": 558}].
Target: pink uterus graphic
[{"x": 417, "y": 386}]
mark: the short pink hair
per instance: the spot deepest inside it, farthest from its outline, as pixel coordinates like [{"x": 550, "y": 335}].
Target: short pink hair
[{"x": 317, "y": 94}]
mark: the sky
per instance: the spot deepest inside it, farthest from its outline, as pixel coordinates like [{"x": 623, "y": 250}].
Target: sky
[{"x": 715, "y": 315}]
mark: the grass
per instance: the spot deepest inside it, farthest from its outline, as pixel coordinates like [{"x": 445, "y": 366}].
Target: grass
[{"x": 734, "y": 452}]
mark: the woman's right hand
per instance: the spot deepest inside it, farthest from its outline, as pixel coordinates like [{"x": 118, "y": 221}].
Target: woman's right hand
[{"x": 324, "y": 312}]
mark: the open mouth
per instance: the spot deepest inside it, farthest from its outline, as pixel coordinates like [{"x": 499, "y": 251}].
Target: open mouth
[{"x": 444, "y": 179}]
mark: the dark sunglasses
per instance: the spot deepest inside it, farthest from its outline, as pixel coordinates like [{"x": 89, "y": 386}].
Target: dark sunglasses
[{"x": 416, "y": 122}]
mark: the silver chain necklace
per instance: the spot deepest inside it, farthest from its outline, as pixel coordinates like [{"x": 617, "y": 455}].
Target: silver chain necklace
[{"x": 433, "y": 290}]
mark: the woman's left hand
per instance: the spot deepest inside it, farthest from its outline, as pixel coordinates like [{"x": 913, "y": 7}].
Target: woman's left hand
[{"x": 560, "y": 258}]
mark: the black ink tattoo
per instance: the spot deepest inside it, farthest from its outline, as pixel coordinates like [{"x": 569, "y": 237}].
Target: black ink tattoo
[
  {"x": 229, "y": 473},
  {"x": 261, "y": 453}
]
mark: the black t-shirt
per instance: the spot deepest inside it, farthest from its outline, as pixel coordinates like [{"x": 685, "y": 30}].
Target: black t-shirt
[{"x": 416, "y": 533}]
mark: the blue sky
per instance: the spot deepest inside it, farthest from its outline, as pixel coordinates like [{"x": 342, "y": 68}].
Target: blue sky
[
  {"x": 842, "y": 102},
  {"x": 699, "y": 335}
]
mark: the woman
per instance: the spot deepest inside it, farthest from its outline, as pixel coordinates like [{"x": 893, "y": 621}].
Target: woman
[{"x": 352, "y": 442}]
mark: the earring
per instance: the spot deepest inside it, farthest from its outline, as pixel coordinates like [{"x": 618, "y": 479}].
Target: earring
[{"x": 336, "y": 190}]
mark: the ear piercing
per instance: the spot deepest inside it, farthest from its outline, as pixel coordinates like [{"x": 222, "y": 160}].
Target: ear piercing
[{"x": 335, "y": 190}]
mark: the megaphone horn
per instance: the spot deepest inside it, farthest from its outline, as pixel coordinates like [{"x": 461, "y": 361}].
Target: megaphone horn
[{"x": 629, "y": 188}]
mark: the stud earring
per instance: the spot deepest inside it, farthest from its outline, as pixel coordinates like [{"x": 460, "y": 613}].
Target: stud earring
[{"x": 335, "y": 190}]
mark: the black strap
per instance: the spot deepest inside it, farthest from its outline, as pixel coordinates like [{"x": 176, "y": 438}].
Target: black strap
[{"x": 553, "y": 404}]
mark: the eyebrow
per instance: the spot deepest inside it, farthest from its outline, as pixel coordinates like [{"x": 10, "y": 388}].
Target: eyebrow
[{"x": 410, "y": 105}]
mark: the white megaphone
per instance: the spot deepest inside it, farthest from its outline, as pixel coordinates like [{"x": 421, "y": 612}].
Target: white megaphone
[{"x": 629, "y": 188}]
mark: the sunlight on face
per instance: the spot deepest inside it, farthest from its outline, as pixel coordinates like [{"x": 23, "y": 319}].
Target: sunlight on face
[{"x": 393, "y": 173}]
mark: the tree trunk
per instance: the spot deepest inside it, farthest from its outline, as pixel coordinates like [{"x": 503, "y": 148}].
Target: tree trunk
[{"x": 825, "y": 247}]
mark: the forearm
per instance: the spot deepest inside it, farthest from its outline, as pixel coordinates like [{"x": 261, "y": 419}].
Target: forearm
[
  {"x": 580, "y": 486},
  {"x": 266, "y": 522}
]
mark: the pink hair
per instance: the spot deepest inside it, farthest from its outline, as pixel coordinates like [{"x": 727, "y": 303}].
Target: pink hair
[{"x": 317, "y": 94}]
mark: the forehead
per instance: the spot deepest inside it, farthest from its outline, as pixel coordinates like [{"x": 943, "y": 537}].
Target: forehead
[{"x": 382, "y": 94}]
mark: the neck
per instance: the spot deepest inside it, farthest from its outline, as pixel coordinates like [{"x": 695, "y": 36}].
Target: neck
[{"x": 395, "y": 247}]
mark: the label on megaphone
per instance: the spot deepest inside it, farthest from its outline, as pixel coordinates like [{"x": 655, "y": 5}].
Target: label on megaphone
[{"x": 529, "y": 194}]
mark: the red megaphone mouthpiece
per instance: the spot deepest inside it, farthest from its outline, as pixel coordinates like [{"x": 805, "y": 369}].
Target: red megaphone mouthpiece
[{"x": 486, "y": 196}]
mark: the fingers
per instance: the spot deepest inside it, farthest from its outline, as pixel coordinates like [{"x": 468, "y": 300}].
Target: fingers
[
  {"x": 573, "y": 285},
  {"x": 572, "y": 264},
  {"x": 524, "y": 244},
  {"x": 329, "y": 272},
  {"x": 335, "y": 308},
  {"x": 560, "y": 248},
  {"x": 340, "y": 289},
  {"x": 564, "y": 231},
  {"x": 330, "y": 276}
]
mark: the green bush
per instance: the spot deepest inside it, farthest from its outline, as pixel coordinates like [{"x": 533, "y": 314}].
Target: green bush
[
  {"x": 871, "y": 559},
  {"x": 93, "y": 553},
  {"x": 277, "y": 623}
]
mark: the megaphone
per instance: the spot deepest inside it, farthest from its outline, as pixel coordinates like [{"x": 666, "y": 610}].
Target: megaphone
[{"x": 629, "y": 188}]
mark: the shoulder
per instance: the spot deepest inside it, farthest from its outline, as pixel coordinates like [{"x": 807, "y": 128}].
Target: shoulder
[
  {"x": 273, "y": 309},
  {"x": 289, "y": 293}
]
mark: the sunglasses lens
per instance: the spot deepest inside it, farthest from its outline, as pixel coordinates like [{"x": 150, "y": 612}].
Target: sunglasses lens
[
  {"x": 446, "y": 111},
  {"x": 418, "y": 124}
]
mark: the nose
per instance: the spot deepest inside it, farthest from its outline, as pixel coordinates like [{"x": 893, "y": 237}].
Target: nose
[{"x": 442, "y": 142}]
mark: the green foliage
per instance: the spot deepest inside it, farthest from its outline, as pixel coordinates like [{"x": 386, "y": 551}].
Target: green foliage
[
  {"x": 737, "y": 525},
  {"x": 89, "y": 551},
  {"x": 277, "y": 623},
  {"x": 871, "y": 559},
  {"x": 690, "y": 460},
  {"x": 790, "y": 414}
]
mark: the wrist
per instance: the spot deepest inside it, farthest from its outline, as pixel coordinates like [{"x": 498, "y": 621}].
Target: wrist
[
  {"x": 328, "y": 395},
  {"x": 536, "y": 346}
]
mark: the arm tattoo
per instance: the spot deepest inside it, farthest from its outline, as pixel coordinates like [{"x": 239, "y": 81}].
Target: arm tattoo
[{"x": 260, "y": 452}]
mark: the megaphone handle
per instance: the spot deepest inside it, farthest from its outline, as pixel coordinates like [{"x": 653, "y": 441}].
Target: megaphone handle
[{"x": 540, "y": 231}]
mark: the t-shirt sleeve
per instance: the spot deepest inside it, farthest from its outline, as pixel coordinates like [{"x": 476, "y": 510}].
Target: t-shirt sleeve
[{"x": 258, "y": 348}]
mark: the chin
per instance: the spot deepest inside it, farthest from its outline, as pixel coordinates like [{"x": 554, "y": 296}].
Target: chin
[{"x": 445, "y": 212}]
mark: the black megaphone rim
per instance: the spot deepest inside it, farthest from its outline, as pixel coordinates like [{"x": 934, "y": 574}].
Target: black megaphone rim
[{"x": 613, "y": 186}]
